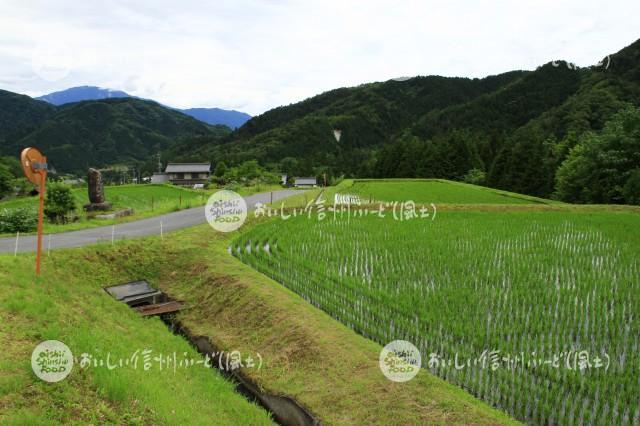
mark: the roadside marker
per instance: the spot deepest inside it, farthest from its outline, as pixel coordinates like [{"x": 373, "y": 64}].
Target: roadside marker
[
  {"x": 49, "y": 246},
  {"x": 161, "y": 234},
  {"x": 113, "y": 232},
  {"x": 15, "y": 251}
]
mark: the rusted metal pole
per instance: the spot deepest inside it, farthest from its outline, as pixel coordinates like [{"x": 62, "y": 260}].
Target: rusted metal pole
[{"x": 43, "y": 180}]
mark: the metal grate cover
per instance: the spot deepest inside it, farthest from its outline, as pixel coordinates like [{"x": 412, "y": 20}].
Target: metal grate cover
[
  {"x": 130, "y": 290},
  {"x": 145, "y": 299}
]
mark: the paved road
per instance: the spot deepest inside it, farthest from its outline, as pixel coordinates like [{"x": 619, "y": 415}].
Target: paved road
[{"x": 135, "y": 229}]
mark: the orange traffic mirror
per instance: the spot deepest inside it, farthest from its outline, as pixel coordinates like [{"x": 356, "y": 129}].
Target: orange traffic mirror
[{"x": 33, "y": 164}]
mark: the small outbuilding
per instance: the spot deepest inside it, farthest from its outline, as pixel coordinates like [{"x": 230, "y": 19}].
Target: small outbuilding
[
  {"x": 159, "y": 178},
  {"x": 305, "y": 182}
]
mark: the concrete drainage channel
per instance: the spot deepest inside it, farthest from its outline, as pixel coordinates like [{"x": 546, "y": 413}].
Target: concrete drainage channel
[{"x": 148, "y": 301}]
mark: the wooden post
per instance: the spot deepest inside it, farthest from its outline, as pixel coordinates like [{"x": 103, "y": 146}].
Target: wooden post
[
  {"x": 180, "y": 202},
  {"x": 152, "y": 203}
]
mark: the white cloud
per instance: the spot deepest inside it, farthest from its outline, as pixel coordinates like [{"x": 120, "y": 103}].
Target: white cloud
[{"x": 254, "y": 55}]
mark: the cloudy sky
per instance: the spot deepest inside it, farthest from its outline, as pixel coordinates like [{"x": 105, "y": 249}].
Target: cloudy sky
[{"x": 253, "y": 55}]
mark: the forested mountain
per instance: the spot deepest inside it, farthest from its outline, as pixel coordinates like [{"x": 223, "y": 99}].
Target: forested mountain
[
  {"x": 213, "y": 116},
  {"x": 19, "y": 114},
  {"x": 368, "y": 116},
  {"x": 511, "y": 131},
  {"x": 98, "y": 133}
]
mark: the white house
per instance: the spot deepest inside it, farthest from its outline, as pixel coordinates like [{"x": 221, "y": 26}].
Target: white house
[{"x": 188, "y": 174}]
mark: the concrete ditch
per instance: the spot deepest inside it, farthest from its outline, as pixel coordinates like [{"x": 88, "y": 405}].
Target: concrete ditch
[
  {"x": 284, "y": 409},
  {"x": 148, "y": 301}
]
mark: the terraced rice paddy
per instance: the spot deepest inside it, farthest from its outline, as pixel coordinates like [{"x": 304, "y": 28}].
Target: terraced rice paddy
[
  {"x": 424, "y": 191},
  {"x": 506, "y": 305}
]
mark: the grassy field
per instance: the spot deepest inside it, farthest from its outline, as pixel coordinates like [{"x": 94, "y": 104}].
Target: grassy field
[
  {"x": 324, "y": 365},
  {"x": 445, "y": 194},
  {"x": 533, "y": 282},
  {"x": 425, "y": 191},
  {"x": 73, "y": 308},
  {"x": 146, "y": 200}
]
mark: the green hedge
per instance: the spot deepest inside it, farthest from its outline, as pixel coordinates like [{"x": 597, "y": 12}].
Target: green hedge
[{"x": 18, "y": 220}]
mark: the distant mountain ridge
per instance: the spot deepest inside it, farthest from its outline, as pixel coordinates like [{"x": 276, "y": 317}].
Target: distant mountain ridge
[
  {"x": 81, "y": 93},
  {"x": 230, "y": 118},
  {"x": 96, "y": 133},
  {"x": 213, "y": 116}
]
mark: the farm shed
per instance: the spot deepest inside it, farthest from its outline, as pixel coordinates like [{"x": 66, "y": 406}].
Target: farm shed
[{"x": 304, "y": 182}]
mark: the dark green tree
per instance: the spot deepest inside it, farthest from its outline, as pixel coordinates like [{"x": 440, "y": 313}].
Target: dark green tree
[
  {"x": 59, "y": 202},
  {"x": 631, "y": 190},
  {"x": 475, "y": 177},
  {"x": 13, "y": 165},
  {"x": 602, "y": 168},
  {"x": 221, "y": 169},
  {"x": 6, "y": 181}
]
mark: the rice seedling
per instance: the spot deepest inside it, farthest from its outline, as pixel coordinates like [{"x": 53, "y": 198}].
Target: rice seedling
[{"x": 550, "y": 298}]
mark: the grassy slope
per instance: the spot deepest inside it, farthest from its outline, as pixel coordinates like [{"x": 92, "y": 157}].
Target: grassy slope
[
  {"x": 444, "y": 193},
  {"x": 166, "y": 199},
  {"x": 438, "y": 191},
  {"x": 308, "y": 355},
  {"x": 73, "y": 308}
]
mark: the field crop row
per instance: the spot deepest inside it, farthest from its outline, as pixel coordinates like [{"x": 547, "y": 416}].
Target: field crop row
[{"x": 487, "y": 289}]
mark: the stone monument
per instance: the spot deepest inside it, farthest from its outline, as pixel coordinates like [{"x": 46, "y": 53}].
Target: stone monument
[{"x": 97, "y": 201}]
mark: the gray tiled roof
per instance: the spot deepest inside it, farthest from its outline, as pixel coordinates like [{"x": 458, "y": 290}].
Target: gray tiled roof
[{"x": 188, "y": 168}]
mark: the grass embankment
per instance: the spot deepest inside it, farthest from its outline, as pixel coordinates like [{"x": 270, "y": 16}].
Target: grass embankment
[
  {"x": 68, "y": 304},
  {"x": 444, "y": 193},
  {"x": 448, "y": 196},
  {"x": 307, "y": 355},
  {"x": 146, "y": 200},
  {"x": 425, "y": 191}
]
